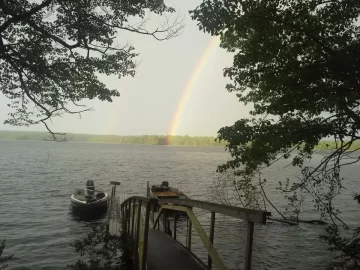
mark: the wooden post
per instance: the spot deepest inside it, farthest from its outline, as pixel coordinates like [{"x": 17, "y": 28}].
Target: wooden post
[
  {"x": 110, "y": 207},
  {"x": 132, "y": 219},
  {"x": 168, "y": 227},
  {"x": 114, "y": 183},
  {"x": 249, "y": 244},
  {"x": 146, "y": 234},
  {"x": 175, "y": 220},
  {"x": 128, "y": 217},
  {"x": 136, "y": 246},
  {"x": 153, "y": 208},
  {"x": 189, "y": 235},
  {"x": 157, "y": 220},
  {"x": 164, "y": 221},
  {"x": 212, "y": 228}
]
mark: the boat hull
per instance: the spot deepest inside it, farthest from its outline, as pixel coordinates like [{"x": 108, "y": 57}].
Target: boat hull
[{"x": 83, "y": 205}]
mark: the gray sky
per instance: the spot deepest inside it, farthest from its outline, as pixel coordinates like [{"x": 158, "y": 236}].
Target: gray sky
[{"x": 148, "y": 101}]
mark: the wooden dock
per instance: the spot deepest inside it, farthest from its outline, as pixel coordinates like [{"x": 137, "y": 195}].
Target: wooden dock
[
  {"x": 153, "y": 243},
  {"x": 165, "y": 253}
]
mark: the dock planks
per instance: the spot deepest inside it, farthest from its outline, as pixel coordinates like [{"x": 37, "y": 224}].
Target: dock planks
[{"x": 164, "y": 253}]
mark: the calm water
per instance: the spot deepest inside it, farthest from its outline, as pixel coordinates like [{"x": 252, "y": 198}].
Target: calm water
[{"x": 37, "y": 179}]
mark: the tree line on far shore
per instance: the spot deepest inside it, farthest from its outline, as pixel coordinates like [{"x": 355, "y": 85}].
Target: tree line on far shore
[{"x": 139, "y": 139}]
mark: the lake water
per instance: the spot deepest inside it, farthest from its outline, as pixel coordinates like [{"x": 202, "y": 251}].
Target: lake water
[{"x": 37, "y": 179}]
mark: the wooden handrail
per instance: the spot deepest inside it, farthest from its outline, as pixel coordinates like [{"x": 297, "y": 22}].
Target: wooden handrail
[
  {"x": 142, "y": 199},
  {"x": 202, "y": 234},
  {"x": 256, "y": 216},
  {"x": 139, "y": 230}
]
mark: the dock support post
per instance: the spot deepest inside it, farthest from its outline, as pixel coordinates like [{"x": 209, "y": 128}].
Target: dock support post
[
  {"x": 133, "y": 218},
  {"x": 114, "y": 189},
  {"x": 148, "y": 189},
  {"x": 146, "y": 234},
  {"x": 212, "y": 228},
  {"x": 249, "y": 244},
  {"x": 128, "y": 211},
  {"x": 157, "y": 220},
  {"x": 153, "y": 215},
  {"x": 189, "y": 235},
  {"x": 164, "y": 221},
  {"x": 175, "y": 220},
  {"x": 110, "y": 204},
  {"x": 136, "y": 246},
  {"x": 168, "y": 228}
]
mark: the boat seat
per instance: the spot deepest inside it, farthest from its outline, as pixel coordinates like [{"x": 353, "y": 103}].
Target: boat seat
[
  {"x": 159, "y": 189},
  {"x": 79, "y": 194},
  {"x": 80, "y": 197}
]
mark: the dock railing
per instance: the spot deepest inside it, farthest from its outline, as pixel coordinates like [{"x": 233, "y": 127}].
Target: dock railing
[
  {"x": 136, "y": 226},
  {"x": 137, "y": 223}
]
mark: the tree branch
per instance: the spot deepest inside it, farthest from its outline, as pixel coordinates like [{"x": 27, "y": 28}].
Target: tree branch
[
  {"x": 172, "y": 29},
  {"x": 20, "y": 17},
  {"x": 53, "y": 37}
]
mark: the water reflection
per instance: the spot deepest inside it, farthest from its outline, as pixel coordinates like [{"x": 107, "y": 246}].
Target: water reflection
[{"x": 93, "y": 216}]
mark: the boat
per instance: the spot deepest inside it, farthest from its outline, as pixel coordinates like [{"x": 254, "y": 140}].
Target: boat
[
  {"x": 93, "y": 199},
  {"x": 163, "y": 191}
]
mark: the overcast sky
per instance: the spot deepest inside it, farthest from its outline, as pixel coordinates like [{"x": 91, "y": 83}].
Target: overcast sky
[{"x": 148, "y": 101}]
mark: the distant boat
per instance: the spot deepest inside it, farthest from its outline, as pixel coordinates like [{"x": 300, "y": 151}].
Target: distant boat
[
  {"x": 163, "y": 191},
  {"x": 91, "y": 200}
]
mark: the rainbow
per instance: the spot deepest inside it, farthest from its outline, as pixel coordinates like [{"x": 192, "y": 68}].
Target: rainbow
[{"x": 190, "y": 85}]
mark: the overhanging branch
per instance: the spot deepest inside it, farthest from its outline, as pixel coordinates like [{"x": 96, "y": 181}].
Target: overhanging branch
[{"x": 20, "y": 17}]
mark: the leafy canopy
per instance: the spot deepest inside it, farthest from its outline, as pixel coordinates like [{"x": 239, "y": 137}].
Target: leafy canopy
[
  {"x": 298, "y": 62},
  {"x": 52, "y": 51}
]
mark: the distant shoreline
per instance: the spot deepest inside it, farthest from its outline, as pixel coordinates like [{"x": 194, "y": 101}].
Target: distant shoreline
[
  {"x": 113, "y": 139},
  {"x": 137, "y": 139}
]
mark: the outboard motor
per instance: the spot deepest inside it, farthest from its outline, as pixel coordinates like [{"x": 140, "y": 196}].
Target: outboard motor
[
  {"x": 165, "y": 184},
  {"x": 90, "y": 187}
]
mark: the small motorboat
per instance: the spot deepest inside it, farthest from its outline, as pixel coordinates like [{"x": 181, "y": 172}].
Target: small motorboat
[
  {"x": 93, "y": 199},
  {"x": 163, "y": 191}
]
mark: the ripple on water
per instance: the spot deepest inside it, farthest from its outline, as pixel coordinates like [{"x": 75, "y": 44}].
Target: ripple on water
[{"x": 39, "y": 228}]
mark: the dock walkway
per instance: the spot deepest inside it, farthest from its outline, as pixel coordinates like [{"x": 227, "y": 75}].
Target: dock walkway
[
  {"x": 165, "y": 253},
  {"x": 138, "y": 217}
]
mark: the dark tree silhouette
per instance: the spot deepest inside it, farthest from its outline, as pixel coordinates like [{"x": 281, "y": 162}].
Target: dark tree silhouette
[{"x": 52, "y": 51}]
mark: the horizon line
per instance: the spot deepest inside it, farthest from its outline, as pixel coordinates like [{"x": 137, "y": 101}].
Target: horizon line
[{"x": 76, "y": 133}]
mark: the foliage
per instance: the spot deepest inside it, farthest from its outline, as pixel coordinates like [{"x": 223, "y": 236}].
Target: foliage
[
  {"x": 139, "y": 139},
  {"x": 295, "y": 201},
  {"x": 297, "y": 62},
  {"x": 100, "y": 250},
  {"x": 349, "y": 248},
  {"x": 231, "y": 189},
  {"x": 143, "y": 139},
  {"x": 228, "y": 189},
  {"x": 4, "y": 259},
  {"x": 52, "y": 52}
]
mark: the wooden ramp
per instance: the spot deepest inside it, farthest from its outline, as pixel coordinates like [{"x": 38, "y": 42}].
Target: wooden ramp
[
  {"x": 165, "y": 253},
  {"x": 152, "y": 249}
]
